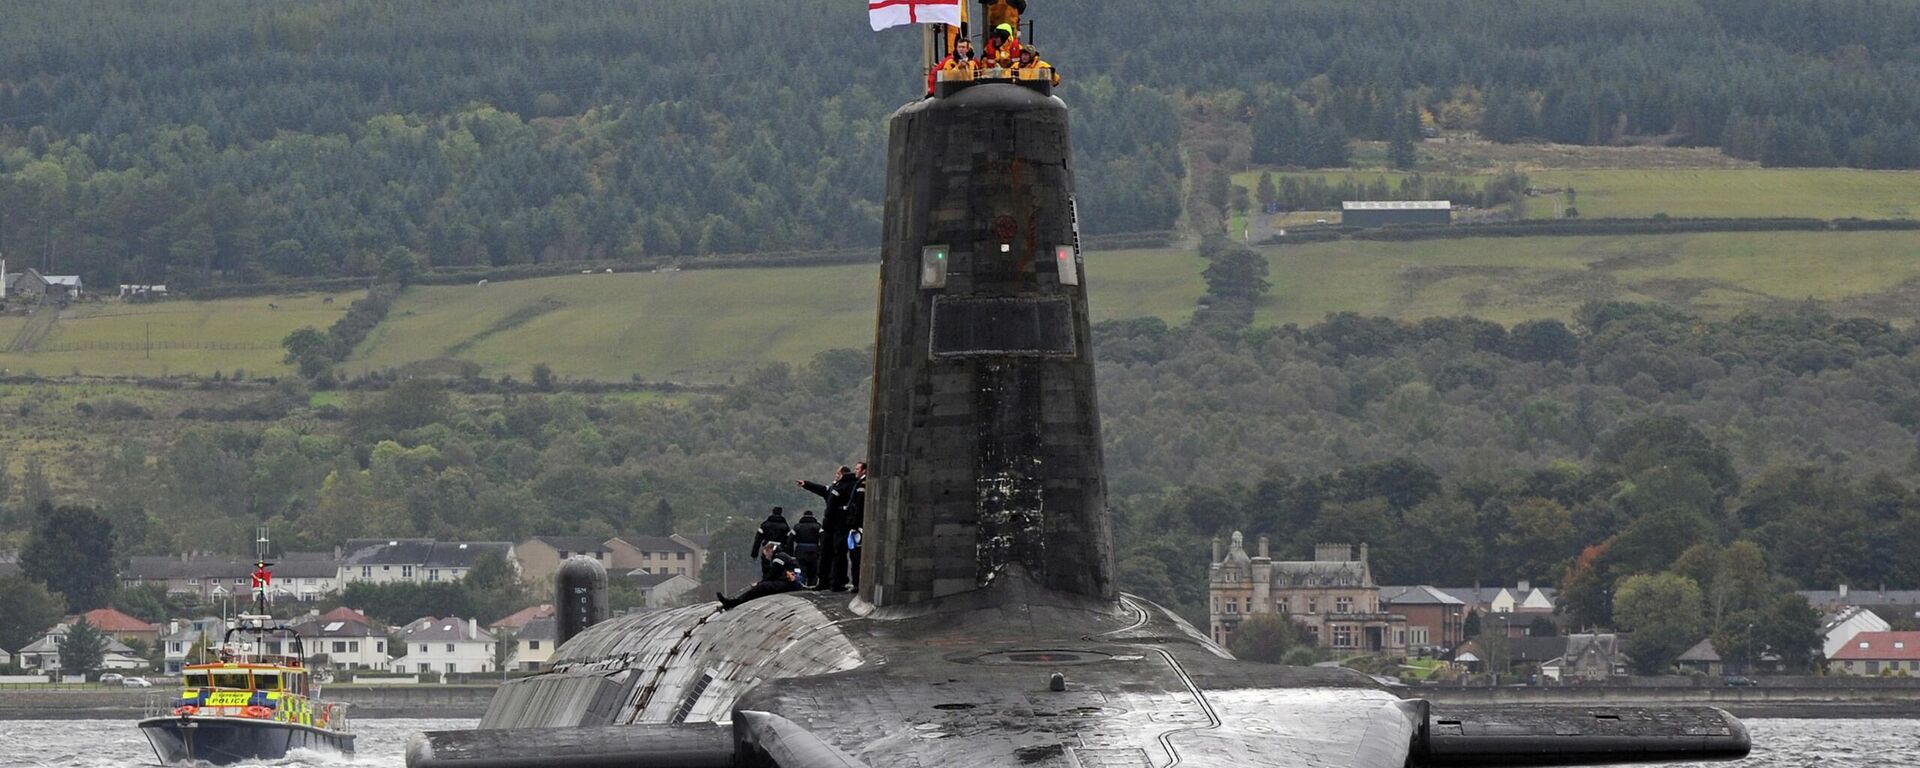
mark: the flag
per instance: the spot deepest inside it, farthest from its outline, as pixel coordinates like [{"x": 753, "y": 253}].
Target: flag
[{"x": 892, "y": 13}]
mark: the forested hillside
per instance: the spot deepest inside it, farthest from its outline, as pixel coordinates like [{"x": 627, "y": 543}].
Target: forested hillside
[
  {"x": 1463, "y": 451},
  {"x": 232, "y": 140}
]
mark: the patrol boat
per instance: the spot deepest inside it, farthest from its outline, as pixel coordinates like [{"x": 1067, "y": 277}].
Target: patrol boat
[{"x": 258, "y": 702}]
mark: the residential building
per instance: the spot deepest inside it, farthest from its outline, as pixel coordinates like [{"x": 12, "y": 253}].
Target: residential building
[
  {"x": 303, "y": 576},
  {"x": 1878, "y": 653},
  {"x": 446, "y": 645},
  {"x": 1332, "y": 597},
  {"x": 1703, "y": 659},
  {"x": 1890, "y": 604},
  {"x": 661, "y": 590},
  {"x": 1518, "y": 655},
  {"x": 418, "y": 561},
  {"x": 534, "y": 643},
  {"x": 1838, "y": 627},
  {"x": 6, "y": 657},
  {"x": 44, "y": 653},
  {"x": 122, "y": 627},
  {"x": 183, "y": 636},
  {"x": 540, "y": 557},
  {"x": 682, "y": 554},
  {"x": 31, "y": 283},
  {"x": 1588, "y": 658},
  {"x": 1389, "y": 213},
  {"x": 1436, "y": 621},
  {"x": 520, "y": 618},
  {"x": 343, "y": 638}
]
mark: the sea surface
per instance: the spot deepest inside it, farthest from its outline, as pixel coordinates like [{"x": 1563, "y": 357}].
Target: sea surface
[{"x": 116, "y": 744}]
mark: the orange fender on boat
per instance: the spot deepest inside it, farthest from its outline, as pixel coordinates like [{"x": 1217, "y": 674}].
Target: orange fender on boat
[
  {"x": 256, "y": 711},
  {"x": 186, "y": 710}
]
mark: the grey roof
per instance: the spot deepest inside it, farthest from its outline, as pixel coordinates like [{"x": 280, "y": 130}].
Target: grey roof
[
  {"x": 1316, "y": 574},
  {"x": 1420, "y": 594},
  {"x": 1701, "y": 652},
  {"x": 1862, "y": 597},
  {"x": 462, "y": 554},
  {"x": 386, "y": 551},
  {"x": 289, "y": 565},
  {"x": 573, "y": 543},
  {"x": 656, "y": 544},
  {"x": 426, "y": 552},
  {"x": 50, "y": 642},
  {"x": 315, "y": 626},
  {"x": 645, "y": 580},
  {"x": 543, "y": 628},
  {"x": 451, "y": 629}
]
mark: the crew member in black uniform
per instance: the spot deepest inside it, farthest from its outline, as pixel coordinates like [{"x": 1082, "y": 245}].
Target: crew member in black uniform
[
  {"x": 777, "y": 575},
  {"x": 774, "y": 529},
  {"x": 833, "y": 566},
  {"x": 807, "y": 537},
  {"x": 856, "y": 522}
]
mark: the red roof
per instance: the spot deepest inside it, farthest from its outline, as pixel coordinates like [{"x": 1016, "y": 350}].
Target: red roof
[
  {"x": 520, "y": 618},
  {"x": 1881, "y": 646},
  {"x": 110, "y": 620}
]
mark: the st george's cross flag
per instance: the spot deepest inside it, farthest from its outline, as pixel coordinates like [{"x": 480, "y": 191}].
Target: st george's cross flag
[{"x": 893, "y": 13}]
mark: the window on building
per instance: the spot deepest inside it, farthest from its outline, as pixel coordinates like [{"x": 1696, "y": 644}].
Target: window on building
[
  {"x": 1233, "y": 606},
  {"x": 1849, "y": 665},
  {"x": 1402, "y": 635},
  {"x": 680, "y": 556},
  {"x": 681, "y": 571},
  {"x": 449, "y": 647},
  {"x": 1418, "y": 636},
  {"x": 433, "y": 574},
  {"x": 386, "y": 568},
  {"x": 1343, "y": 605},
  {"x": 1313, "y": 605},
  {"x": 366, "y": 571},
  {"x": 533, "y": 645},
  {"x": 1873, "y": 667},
  {"x": 406, "y": 571},
  {"x": 423, "y": 649},
  {"x": 380, "y": 646},
  {"x": 1280, "y": 606},
  {"x": 240, "y": 581},
  {"x": 353, "y": 646},
  {"x": 646, "y": 555},
  {"x": 195, "y": 581},
  {"x": 1342, "y": 636},
  {"x": 339, "y": 646},
  {"x": 450, "y": 667},
  {"x": 563, "y": 554}
]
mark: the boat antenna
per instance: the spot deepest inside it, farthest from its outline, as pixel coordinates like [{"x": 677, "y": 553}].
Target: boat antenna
[{"x": 262, "y": 576}]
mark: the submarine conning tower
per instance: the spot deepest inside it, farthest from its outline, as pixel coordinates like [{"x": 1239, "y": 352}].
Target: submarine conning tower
[{"x": 984, "y": 443}]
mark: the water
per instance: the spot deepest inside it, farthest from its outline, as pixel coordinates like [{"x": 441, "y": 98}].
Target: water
[{"x": 116, "y": 744}]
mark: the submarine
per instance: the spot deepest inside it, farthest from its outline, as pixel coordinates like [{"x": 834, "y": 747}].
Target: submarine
[{"x": 987, "y": 628}]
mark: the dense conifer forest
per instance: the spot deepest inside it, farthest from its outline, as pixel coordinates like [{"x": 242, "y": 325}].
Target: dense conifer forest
[{"x": 234, "y": 140}]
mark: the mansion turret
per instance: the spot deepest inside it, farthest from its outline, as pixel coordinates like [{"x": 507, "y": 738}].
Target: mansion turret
[{"x": 1332, "y": 597}]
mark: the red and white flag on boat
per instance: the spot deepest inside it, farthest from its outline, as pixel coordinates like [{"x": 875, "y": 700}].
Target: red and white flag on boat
[{"x": 893, "y": 13}]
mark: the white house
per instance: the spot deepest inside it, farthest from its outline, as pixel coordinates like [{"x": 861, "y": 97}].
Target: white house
[
  {"x": 344, "y": 638},
  {"x": 296, "y": 575},
  {"x": 446, "y": 645},
  {"x": 533, "y": 644},
  {"x": 418, "y": 561},
  {"x": 1840, "y": 626},
  {"x": 661, "y": 590},
  {"x": 44, "y": 653},
  {"x": 177, "y": 647}
]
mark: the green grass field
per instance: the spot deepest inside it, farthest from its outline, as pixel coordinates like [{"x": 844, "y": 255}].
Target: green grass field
[
  {"x": 1514, "y": 279},
  {"x": 1821, "y": 193},
  {"x": 196, "y": 337},
  {"x": 702, "y": 325}
]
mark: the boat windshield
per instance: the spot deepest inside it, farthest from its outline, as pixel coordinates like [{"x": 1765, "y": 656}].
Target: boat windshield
[
  {"x": 266, "y": 681},
  {"x": 230, "y": 680},
  {"x": 196, "y": 681}
]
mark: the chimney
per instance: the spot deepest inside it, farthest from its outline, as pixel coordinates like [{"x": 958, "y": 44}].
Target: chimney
[
  {"x": 1525, "y": 587},
  {"x": 1219, "y": 549},
  {"x": 473, "y": 629},
  {"x": 1333, "y": 553},
  {"x": 1363, "y": 551},
  {"x": 1263, "y": 549},
  {"x": 1843, "y": 591}
]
